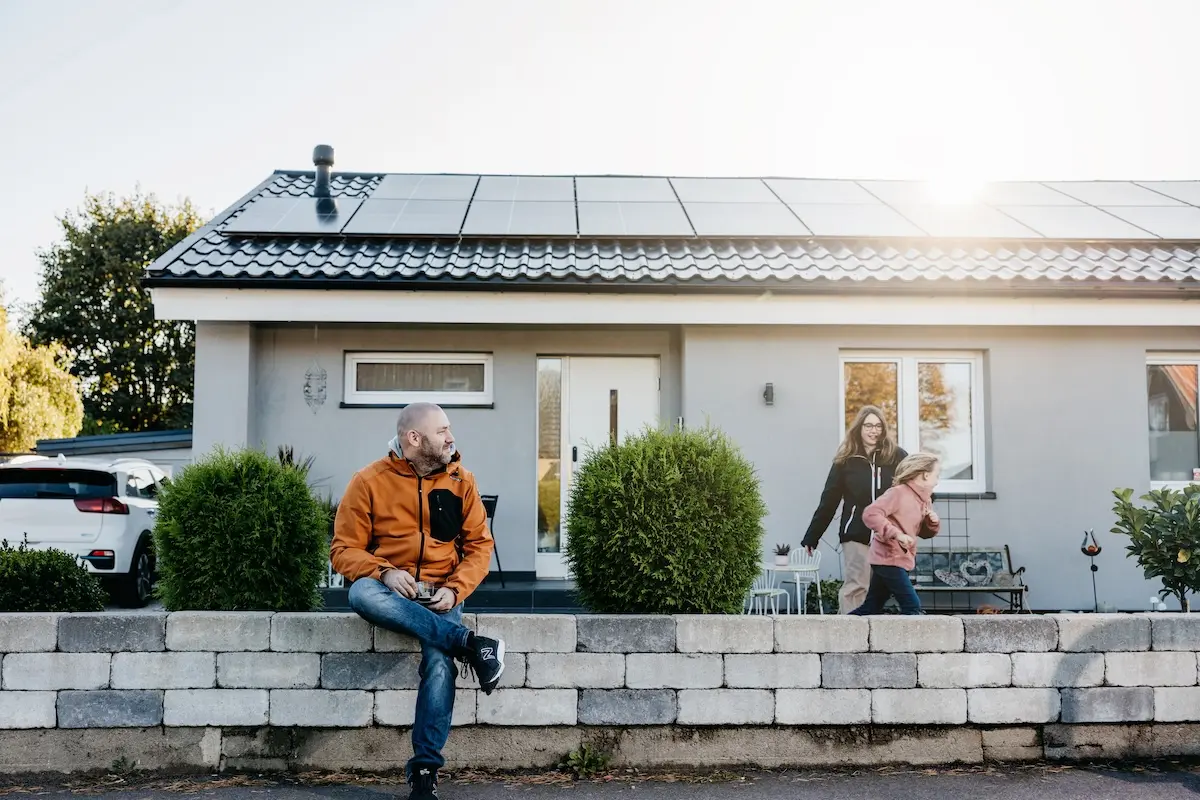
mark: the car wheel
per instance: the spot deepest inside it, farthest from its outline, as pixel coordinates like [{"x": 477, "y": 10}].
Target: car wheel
[{"x": 136, "y": 588}]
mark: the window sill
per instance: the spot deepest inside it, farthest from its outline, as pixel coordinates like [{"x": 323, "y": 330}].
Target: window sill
[
  {"x": 404, "y": 405},
  {"x": 963, "y": 496}
]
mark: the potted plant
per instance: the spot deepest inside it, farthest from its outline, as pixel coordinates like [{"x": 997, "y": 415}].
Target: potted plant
[{"x": 782, "y": 551}]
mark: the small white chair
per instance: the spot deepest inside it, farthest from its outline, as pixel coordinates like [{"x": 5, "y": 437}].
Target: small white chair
[
  {"x": 807, "y": 572},
  {"x": 764, "y": 589}
]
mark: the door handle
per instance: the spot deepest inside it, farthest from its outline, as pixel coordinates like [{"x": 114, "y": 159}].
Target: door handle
[{"x": 574, "y": 453}]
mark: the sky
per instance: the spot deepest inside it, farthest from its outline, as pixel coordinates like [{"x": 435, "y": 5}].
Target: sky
[{"x": 204, "y": 98}]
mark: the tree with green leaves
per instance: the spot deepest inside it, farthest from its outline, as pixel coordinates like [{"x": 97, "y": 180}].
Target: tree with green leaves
[
  {"x": 39, "y": 398},
  {"x": 136, "y": 371}
]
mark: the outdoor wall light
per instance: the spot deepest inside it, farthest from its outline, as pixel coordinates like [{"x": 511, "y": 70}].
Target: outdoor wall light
[{"x": 769, "y": 394}]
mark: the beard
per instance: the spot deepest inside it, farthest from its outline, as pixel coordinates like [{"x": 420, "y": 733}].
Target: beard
[{"x": 429, "y": 456}]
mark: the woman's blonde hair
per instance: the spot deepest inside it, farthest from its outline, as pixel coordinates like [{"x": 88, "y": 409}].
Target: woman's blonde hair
[
  {"x": 852, "y": 445},
  {"x": 913, "y": 466}
]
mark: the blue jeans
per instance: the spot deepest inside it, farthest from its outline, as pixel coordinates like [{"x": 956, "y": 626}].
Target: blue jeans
[
  {"x": 440, "y": 635},
  {"x": 889, "y": 582}
]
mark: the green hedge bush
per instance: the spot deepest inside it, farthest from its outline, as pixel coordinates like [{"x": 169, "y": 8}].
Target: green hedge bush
[
  {"x": 238, "y": 531},
  {"x": 46, "y": 580},
  {"x": 665, "y": 522}
]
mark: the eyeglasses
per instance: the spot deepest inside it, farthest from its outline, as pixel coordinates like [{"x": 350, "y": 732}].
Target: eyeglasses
[{"x": 872, "y": 426}]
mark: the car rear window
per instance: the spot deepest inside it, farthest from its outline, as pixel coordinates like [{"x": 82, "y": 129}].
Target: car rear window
[{"x": 56, "y": 483}]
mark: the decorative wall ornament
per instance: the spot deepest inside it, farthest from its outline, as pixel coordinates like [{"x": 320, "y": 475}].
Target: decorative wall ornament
[{"x": 316, "y": 380}]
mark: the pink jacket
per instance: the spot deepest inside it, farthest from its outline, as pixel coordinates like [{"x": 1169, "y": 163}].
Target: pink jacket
[{"x": 898, "y": 510}]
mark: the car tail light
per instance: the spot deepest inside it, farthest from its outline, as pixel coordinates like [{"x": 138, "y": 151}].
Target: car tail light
[
  {"x": 101, "y": 554},
  {"x": 101, "y": 505}
]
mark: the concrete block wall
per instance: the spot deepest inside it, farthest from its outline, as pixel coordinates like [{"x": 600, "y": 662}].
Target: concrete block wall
[{"x": 213, "y": 671}]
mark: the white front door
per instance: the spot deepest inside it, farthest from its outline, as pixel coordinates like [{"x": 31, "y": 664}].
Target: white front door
[{"x": 583, "y": 403}]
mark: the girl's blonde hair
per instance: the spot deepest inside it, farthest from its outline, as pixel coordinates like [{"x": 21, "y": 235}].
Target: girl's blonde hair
[
  {"x": 913, "y": 466},
  {"x": 852, "y": 445}
]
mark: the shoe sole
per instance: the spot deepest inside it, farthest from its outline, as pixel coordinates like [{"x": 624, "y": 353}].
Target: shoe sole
[{"x": 500, "y": 658}]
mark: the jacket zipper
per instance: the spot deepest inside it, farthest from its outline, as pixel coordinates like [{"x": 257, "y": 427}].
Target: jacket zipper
[
  {"x": 420, "y": 525},
  {"x": 850, "y": 520}
]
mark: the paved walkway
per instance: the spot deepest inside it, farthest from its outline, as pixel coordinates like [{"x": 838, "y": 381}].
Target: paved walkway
[{"x": 1035, "y": 783}]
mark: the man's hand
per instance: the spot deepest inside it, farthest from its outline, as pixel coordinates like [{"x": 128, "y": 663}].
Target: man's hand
[
  {"x": 401, "y": 582},
  {"x": 443, "y": 600}
]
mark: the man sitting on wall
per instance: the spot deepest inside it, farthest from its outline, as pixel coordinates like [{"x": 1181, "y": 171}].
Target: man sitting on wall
[{"x": 411, "y": 533}]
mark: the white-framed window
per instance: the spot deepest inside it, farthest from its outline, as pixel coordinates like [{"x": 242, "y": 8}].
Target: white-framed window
[
  {"x": 393, "y": 379},
  {"x": 1172, "y": 386},
  {"x": 932, "y": 401}
]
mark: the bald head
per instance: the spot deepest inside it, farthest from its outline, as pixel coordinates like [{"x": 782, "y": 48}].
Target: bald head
[
  {"x": 425, "y": 438},
  {"x": 416, "y": 417}
]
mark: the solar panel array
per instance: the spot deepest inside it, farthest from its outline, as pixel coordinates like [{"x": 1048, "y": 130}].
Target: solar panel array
[{"x": 410, "y": 205}]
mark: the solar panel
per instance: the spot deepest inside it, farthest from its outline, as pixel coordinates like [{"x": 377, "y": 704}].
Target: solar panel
[
  {"x": 744, "y": 219},
  {"x": 411, "y": 217},
  {"x": 495, "y": 218},
  {"x": 723, "y": 190},
  {"x": 965, "y": 220},
  {"x": 426, "y": 187},
  {"x": 847, "y": 219},
  {"x": 1169, "y": 222},
  {"x": 1187, "y": 191},
  {"x": 633, "y": 219},
  {"x": 808, "y": 191},
  {"x": 1113, "y": 193},
  {"x": 1020, "y": 193},
  {"x": 525, "y": 187},
  {"x": 624, "y": 190},
  {"x": 899, "y": 192},
  {"x": 1075, "y": 222},
  {"x": 295, "y": 215}
]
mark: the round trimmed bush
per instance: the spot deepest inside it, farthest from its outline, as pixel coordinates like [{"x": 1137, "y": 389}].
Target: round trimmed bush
[
  {"x": 665, "y": 522},
  {"x": 46, "y": 580},
  {"x": 238, "y": 531}
]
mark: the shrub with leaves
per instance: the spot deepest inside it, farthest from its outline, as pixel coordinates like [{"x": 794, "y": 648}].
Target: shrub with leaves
[
  {"x": 829, "y": 597},
  {"x": 665, "y": 522},
  {"x": 46, "y": 580},
  {"x": 239, "y": 531},
  {"x": 1164, "y": 537}
]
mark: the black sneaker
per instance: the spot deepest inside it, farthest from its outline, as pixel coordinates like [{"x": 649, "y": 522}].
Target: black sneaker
[
  {"x": 486, "y": 657},
  {"x": 424, "y": 784}
]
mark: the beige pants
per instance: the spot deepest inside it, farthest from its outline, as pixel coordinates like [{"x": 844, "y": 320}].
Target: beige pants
[{"x": 856, "y": 576}]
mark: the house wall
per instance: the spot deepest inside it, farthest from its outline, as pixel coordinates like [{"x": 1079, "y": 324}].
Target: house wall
[
  {"x": 498, "y": 444},
  {"x": 1065, "y": 422}
]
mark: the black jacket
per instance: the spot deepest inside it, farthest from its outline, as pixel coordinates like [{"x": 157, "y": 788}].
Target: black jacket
[{"x": 855, "y": 485}]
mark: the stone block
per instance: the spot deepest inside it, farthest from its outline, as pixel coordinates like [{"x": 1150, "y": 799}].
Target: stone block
[
  {"x": 1003, "y": 633},
  {"x": 963, "y": 670},
  {"x": 1100, "y": 633},
  {"x": 391, "y": 642},
  {"x": 1170, "y": 631},
  {"x": 371, "y": 671},
  {"x": 1107, "y": 704},
  {"x": 321, "y": 708},
  {"x": 528, "y": 707},
  {"x": 256, "y": 670},
  {"x": 674, "y": 671},
  {"x": 1057, "y": 669},
  {"x": 627, "y": 707},
  {"x": 513, "y": 677},
  {"x": 724, "y": 633},
  {"x": 27, "y": 710},
  {"x": 1012, "y": 744},
  {"x": 397, "y": 708},
  {"x": 530, "y": 633},
  {"x": 868, "y": 671},
  {"x": 28, "y": 632},
  {"x": 574, "y": 670},
  {"x": 772, "y": 670},
  {"x": 821, "y": 633},
  {"x": 216, "y": 707},
  {"x": 919, "y": 706},
  {"x": 164, "y": 670},
  {"x": 726, "y": 707},
  {"x": 1172, "y": 704},
  {"x": 109, "y": 632},
  {"x": 916, "y": 634},
  {"x": 81, "y": 751},
  {"x": 620, "y": 633},
  {"x": 822, "y": 707},
  {"x": 1150, "y": 669},
  {"x": 1012, "y": 706},
  {"x": 44, "y": 671},
  {"x": 319, "y": 632},
  {"x": 219, "y": 631},
  {"x": 110, "y": 708}
]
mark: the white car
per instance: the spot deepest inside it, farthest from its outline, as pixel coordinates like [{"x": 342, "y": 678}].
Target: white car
[{"x": 99, "y": 510}]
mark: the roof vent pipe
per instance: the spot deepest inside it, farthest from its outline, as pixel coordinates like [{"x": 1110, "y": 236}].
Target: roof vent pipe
[{"x": 323, "y": 161}]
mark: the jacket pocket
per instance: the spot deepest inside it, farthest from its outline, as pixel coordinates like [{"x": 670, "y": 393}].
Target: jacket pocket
[{"x": 445, "y": 515}]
